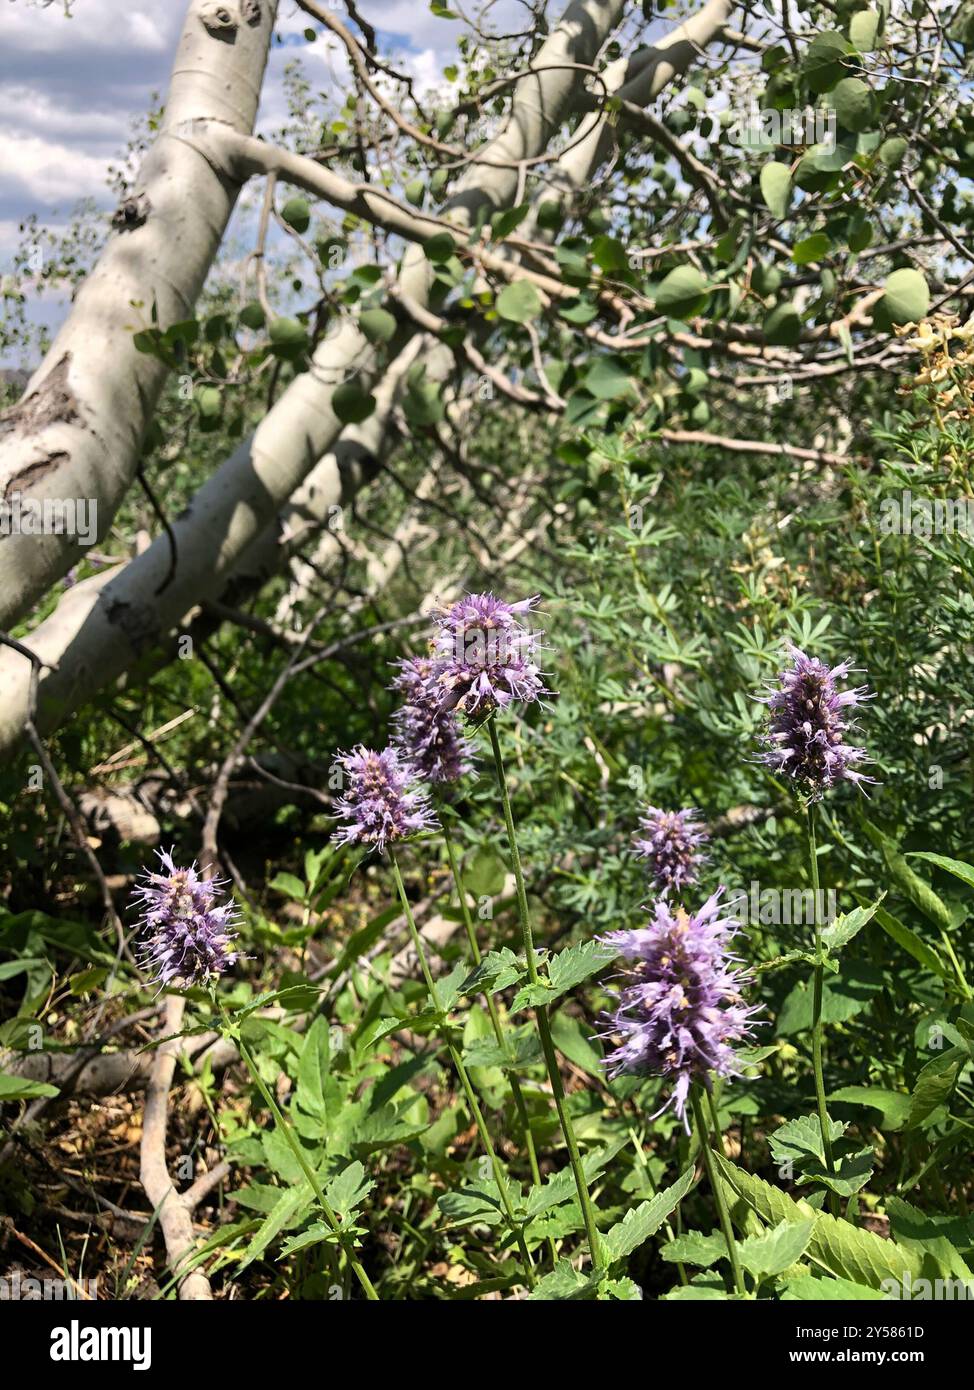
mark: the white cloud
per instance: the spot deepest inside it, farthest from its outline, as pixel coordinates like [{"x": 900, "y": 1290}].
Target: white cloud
[
  {"x": 94, "y": 24},
  {"x": 24, "y": 109},
  {"x": 51, "y": 172},
  {"x": 426, "y": 67}
]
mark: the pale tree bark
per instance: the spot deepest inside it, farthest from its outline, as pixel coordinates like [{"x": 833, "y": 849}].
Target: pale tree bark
[
  {"x": 95, "y": 635},
  {"x": 639, "y": 80},
  {"x": 78, "y": 430},
  {"x": 310, "y": 512}
]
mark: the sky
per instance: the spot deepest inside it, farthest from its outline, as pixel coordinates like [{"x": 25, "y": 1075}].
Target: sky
[{"x": 71, "y": 88}]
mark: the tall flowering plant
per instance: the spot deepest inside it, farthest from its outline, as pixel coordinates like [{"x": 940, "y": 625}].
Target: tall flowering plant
[
  {"x": 486, "y": 660},
  {"x": 426, "y": 732},
  {"x": 386, "y": 802},
  {"x": 186, "y": 933},
  {"x": 671, "y": 843},
  {"x": 679, "y": 1015},
  {"x": 682, "y": 1007},
  {"x": 808, "y": 741},
  {"x": 188, "y": 938}
]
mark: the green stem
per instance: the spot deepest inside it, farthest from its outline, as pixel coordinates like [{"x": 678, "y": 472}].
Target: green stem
[
  {"x": 541, "y": 1014},
  {"x": 522, "y": 896},
  {"x": 958, "y": 968},
  {"x": 285, "y": 1128},
  {"x": 818, "y": 980},
  {"x": 499, "y": 1176},
  {"x": 712, "y": 1107},
  {"x": 722, "y": 1212},
  {"x": 499, "y": 1034}
]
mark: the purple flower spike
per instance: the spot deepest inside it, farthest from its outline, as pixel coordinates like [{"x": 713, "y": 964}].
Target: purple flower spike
[
  {"x": 671, "y": 846},
  {"x": 382, "y": 802},
  {"x": 484, "y": 657},
  {"x": 428, "y": 735},
  {"x": 682, "y": 1007},
  {"x": 188, "y": 936},
  {"x": 807, "y": 726}
]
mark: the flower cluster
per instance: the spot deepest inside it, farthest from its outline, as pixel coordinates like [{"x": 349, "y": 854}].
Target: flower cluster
[
  {"x": 808, "y": 724},
  {"x": 188, "y": 935},
  {"x": 383, "y": 802},
  {"x": 429, "y": 736},
  {"x": 484, "y": 657},
  {"x": 671, "y": 845},
  {"x": 682, "y": 1008},
  {"x": 947, "y": 353}
]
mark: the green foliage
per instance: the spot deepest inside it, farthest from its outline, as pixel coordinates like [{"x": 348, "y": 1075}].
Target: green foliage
[{"x": 673, "y": 569}]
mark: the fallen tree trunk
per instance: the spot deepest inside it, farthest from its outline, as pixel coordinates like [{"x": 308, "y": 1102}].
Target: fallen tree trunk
[
  {"x": 77, "y": 433},
  {"x": 105, "y": 625}
]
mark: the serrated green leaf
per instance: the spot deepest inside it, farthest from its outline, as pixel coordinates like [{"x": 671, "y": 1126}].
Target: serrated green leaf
[
  {"x": 290, "y": 1207},
  {"x": 695, "y": 1248},
  {"x": 348, "y": 1188},
  {"x": 640, "y": 1223},
  {"x": 845, "y": 927},
  {"x": 563, "y": 1282},
  {"x": 776, "y": 1250},
  {"x": 850, "y": 1172},
  {"x": 318, "y": 1234},
  {"x": 934, "y": 1085},
  {"x": 698, "y": 1291},
  {"x": 521, "y": 1049},
  {"x": 570, "y": 967},
  {"x": 560, "y": 1186},
  {"x": 801, "y": 1138},
  {"x": 450, "y": 987},
  {"x": 498, "y": 970},
  {"x": 809, "y": 1287},
  {"x": 843, "y": 1249},
  {"x": 934, "y": 1233},
  {"x": 471, "y": 1205}
]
